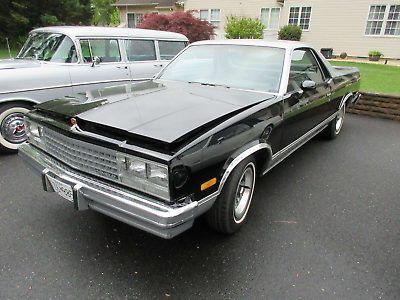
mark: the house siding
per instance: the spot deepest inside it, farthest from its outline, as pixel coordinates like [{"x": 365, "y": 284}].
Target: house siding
[
  {"x": 234, "y": 7},
  {"x": 336, "y": 24},
  {"x": 341, "y": 25},
  {"x": 145, "y": 9}
]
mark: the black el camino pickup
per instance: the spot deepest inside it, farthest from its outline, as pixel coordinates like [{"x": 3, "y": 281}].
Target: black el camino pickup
[{"x": 193, "y": 140}]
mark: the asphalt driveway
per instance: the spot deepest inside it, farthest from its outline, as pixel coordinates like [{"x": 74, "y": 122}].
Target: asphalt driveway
[{"x": 324, "y": 224}]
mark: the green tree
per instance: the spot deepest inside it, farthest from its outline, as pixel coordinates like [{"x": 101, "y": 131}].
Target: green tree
[
  {"x": 115, "y": 18},
  {"x": 290, "y": 33},
  {"x": 104, "y": 13},
  {"x": 18, "y": 17},
  {"x": 243, "y": 28}
]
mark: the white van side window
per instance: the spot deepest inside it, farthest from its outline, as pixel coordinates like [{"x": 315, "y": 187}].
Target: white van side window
[
  {"x": 168, "y": 49},
  {"x": 140, "y": 50},
  {"x": 105, "y": 49}
]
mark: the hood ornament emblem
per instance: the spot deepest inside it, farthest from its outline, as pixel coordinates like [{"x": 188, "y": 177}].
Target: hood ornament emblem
[{"x": 74, "y": 124}]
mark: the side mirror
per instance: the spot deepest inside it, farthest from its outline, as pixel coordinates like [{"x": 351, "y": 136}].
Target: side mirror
[
  {"x": 308, "y": 85},
  {"x": 96, "y": 61}
]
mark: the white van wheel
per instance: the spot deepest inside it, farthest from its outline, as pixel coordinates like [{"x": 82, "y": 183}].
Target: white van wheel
[{"x": 12, "y": 129}]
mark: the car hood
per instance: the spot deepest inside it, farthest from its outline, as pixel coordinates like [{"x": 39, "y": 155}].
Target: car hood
[
  {"x": 18, "y": 64},
  {"x": 161, "y": 111}
]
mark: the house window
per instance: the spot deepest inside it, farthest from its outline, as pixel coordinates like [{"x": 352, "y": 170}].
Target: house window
[
  {"x": 270, "y": 17},
  {"x": 211, "y": 15},
  {"x": 300, "y": 16},
  {"x": 383, "y": 20},
  {"x": 134, "y": 19}
]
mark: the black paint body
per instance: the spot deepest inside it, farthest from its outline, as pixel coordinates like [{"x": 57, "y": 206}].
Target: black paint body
[{"x": 194, "y": 127}]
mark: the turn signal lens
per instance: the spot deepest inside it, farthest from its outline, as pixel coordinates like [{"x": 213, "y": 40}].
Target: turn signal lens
[{"x": 180, "y": 176}]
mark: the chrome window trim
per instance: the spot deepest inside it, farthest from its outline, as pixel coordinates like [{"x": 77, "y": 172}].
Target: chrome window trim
[{"x": 231, "y": 88}]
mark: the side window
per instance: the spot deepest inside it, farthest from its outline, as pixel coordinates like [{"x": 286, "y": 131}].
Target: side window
[
  {"x": 140, "y": 50},
  {"x": 303, "y": 67},
  {"x": 66, "y": 52},
  {"x": 168, "y": 49},
  {"x": 107, "y": 50}
]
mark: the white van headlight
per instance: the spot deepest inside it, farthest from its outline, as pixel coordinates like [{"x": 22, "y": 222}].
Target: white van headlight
[{"x": 34, "y": 133}]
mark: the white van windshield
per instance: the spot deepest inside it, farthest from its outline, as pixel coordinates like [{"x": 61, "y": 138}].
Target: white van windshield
[{"x": 53, "y": 47}]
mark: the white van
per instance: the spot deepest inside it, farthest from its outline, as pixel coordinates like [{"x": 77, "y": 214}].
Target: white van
[{"x": 59, "y": 61}]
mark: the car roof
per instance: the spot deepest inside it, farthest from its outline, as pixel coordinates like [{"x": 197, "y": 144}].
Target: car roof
[
  {"x": 95, "y": 31},
  {"x": 256, "y": 42}
]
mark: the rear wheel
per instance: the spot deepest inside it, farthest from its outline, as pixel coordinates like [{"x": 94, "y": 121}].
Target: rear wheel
[
  {"x": 229, "y": 211},
  {"x": 12, "y": 129},
  {"x": 334, "y": 127}
]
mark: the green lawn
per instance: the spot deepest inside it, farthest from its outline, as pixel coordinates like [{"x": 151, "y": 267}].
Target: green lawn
[
  {"x": 376, "y": 78},
  {"x": 4, "y": 53}
]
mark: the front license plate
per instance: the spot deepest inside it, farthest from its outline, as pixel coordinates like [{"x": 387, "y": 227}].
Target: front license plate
[{"x": 64, "y": 190}]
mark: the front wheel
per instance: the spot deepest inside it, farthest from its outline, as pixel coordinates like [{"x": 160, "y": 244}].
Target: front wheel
[
  {"x": 229, "y": 211},
  {"x": 334, "y": 127},
  {"x": 12, "y": 130}
]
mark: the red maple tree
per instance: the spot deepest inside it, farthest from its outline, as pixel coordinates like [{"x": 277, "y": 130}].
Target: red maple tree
[{"x": 193, "y": 28}]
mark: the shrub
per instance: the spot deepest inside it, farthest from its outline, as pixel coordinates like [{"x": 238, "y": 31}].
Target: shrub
[
  {"x": 343, "y": 55},
  {"x": 193, "y": 28},
  {"x": 243, "y": 28},
  {"x": 290, "y": 32},
  {"x": 375, "y": 53}
]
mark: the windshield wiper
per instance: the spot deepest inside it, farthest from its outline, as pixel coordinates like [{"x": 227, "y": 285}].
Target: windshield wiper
[{"x": 209, "y": 84}]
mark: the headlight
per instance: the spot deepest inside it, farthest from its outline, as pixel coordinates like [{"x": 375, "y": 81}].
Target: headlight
[
  {"x": 158, "y": 175},
  {"x": 144, "y": 175},
  {"x": 34, "y": 133},
  {"x": 137, "y": 168}
]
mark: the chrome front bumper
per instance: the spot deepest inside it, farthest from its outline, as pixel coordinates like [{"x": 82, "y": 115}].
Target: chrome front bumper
[{"x": 113, "y": 200}]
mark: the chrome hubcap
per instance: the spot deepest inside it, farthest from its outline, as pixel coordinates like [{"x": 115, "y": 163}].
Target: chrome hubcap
[
  {"x": 339, "y": 120},
  {"x": 13, "y": 129},
  {"x": 244, "y": 193}
]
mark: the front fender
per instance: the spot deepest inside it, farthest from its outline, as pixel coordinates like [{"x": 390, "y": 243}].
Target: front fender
[
  {"x": 27, "y": 100},
  {"x": 263, "y": 156}
]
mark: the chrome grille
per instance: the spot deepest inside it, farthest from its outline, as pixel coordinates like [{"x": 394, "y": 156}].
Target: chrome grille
[{"x": 80, "y": 155}]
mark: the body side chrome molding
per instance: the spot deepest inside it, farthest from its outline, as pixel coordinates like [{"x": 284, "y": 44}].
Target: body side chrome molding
[
  {"x": 75, "y": 84},
  {"x": 345, "y": 98},
  {"x": 277, "y": 157},
  {"x": 289, "y": 149}
]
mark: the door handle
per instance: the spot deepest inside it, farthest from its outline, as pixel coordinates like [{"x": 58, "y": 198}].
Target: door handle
[
  {"x": 122, "y": 67},
  {"x": 158, "y": 65}
]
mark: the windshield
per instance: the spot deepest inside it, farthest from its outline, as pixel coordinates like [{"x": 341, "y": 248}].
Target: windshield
[
  {"x": 235, "y": 66},
  {"x": 53, "y": 47}
]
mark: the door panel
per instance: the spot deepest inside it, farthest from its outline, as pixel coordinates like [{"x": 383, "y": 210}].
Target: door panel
[
  {"x": 142, "y": 59},
  {"x": 109, "y": 72},
  {"x": 304, "y": 108}
]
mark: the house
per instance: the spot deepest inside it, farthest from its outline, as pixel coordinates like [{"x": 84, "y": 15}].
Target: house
[
  {"x": 132, "y": 11},
  {"x": 355, "y": 27}
]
